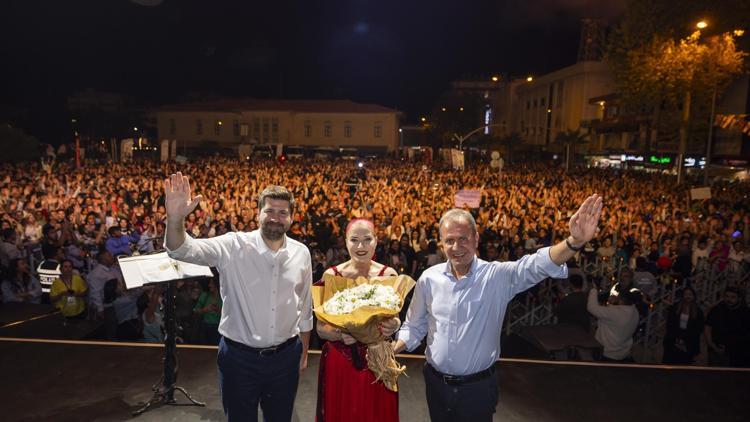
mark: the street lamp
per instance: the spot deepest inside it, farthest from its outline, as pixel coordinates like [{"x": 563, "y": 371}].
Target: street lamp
[
  {"x": 702, "y": 25},
  {"x": 529, "y": 78},
  {"x": 495, "y": 79},
  {"x": 461, "y": 139}
]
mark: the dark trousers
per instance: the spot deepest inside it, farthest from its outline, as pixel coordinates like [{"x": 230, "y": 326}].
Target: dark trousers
[
  {"x": 247, "y": 379},
  {"x": 473, "y": 401},
  {"x": 210, "y": 333}
]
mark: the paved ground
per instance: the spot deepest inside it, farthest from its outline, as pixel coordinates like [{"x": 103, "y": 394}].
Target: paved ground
[{"x": 82, "y": 382}]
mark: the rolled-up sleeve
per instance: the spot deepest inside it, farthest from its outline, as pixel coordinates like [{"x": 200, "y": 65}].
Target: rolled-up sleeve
[
  {"x": 306, "y": 317},
  {"x": 528, "y": 271},
  {"x": 415, "y": 327}
]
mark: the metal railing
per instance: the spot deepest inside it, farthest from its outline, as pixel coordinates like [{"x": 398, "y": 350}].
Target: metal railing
[{"x": 709, "y": 280}]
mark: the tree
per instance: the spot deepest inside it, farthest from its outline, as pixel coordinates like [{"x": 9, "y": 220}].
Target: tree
[
  {"x": 674, "y": 79},
  {"x": 16, "y": 145},
  {"x": 679, "y": 79},
  {"x": 570, "y": 139}
]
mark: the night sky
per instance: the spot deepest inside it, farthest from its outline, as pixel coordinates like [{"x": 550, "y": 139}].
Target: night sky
[{"x": 401, "y": 54}]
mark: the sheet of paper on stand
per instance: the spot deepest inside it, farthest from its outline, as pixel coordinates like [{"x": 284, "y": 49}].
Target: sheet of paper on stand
[{"x": 154, "y": 268}]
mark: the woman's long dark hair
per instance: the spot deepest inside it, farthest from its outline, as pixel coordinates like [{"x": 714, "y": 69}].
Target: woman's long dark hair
[
  {"x": 693, "y": 310},
  {"x": 18, "y": 285}
]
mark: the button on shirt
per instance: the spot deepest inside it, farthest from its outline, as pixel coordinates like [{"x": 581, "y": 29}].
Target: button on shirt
[
  {"x": 266, "y": 294},
  {"x": 463, "y": 318}
]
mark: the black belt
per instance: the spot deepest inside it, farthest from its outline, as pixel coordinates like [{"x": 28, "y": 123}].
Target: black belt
[
  {"x": 263, "y": 351},
  {"x": 462, "y": 379}
]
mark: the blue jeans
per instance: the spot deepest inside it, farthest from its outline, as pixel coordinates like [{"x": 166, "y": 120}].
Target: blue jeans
[{"x": 247, "y": 379}]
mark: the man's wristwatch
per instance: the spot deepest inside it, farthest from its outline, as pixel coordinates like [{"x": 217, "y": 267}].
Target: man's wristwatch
[{"x": 571, "y": 247}]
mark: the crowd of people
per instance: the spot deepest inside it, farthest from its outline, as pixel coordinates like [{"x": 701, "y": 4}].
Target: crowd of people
[{"x": 84, "y": 218}]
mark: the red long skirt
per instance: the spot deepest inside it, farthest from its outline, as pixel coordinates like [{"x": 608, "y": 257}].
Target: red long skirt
[{"x": 346, "y": 394}]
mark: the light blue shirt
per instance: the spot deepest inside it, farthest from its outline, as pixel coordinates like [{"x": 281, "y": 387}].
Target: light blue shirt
[{"x": 463, "y": 319}]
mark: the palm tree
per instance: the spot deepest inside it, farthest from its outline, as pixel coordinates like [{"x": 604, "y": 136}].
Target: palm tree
[{"x": 571, "y": 138}]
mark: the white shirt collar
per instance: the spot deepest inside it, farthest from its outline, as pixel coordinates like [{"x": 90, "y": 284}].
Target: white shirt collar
[{"x": 263, "y": 248}]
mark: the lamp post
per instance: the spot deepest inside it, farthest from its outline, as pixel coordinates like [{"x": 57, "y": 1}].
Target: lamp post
[
  {"x": 461, "y": 139},
  {"x": 684, "y": 124},
  {"x": 702, "y": 25},
  {"x": 400, "y": 141},
  {"x": 710, "y": 137}
]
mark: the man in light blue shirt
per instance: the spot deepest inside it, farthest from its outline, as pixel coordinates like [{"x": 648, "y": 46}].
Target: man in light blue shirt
[{"x": 460, "y": 305}]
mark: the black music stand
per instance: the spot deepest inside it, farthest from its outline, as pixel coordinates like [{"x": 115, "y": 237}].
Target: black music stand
[{"x": 165, "y": 388}]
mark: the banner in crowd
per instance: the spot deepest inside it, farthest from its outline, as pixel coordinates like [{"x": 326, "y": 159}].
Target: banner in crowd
[
  {"x": 457, "y": 159},
  {"x": 469, "y": 197},
  {"x": 126, "y": 150},
  {"x": 164, "y": 150}
]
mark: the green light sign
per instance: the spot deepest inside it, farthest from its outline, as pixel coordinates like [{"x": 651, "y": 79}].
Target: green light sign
[{"x": 659, "y": 160}]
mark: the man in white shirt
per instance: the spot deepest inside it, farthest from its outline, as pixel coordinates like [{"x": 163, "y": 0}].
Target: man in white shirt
[
  {"x": 701, "y": 250},
  {"x": 266, "y": 318},
  {"x": 102, "y": 282},
  {"x": 617, "y": 323}
]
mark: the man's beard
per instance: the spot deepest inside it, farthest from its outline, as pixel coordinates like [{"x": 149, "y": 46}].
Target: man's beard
[{"x": 273, "y": 231}]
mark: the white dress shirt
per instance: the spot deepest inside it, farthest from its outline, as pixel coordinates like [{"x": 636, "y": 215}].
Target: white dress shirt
[
  {"x": 463, "y": 319},
  {"x": 266, "y": 294},
  {"x": 96, "y": 280}
]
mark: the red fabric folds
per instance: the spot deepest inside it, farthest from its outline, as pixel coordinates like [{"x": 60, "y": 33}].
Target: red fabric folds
[{"x": 346, "y": 394}]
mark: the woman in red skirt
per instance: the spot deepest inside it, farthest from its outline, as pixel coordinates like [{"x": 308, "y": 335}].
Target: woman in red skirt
[{"x": 347, "y": 390}]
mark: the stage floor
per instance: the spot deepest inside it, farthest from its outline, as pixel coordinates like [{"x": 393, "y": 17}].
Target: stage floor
[{"x": 87, "y": 382}]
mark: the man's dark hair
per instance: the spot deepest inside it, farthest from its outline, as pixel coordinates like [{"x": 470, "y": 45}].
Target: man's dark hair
[
  {"x": 113, "y": 229},
  {"x": 626, "y": 298},
  {"x": 276, "y": 192},
  {"x": 576, "y": 281},
  {"x": 47, "y": 229},
  {"x": 101, "y": 254},
  {"x": 7, "y": 234},
  {"x": 641, "y": 263},
  {"x": 733, "y": 289}
]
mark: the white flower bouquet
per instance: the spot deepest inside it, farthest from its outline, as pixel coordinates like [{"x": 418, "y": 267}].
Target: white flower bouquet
[
  {"x": 357, "y": 306},
  {"x": 374, "y": 295}
]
